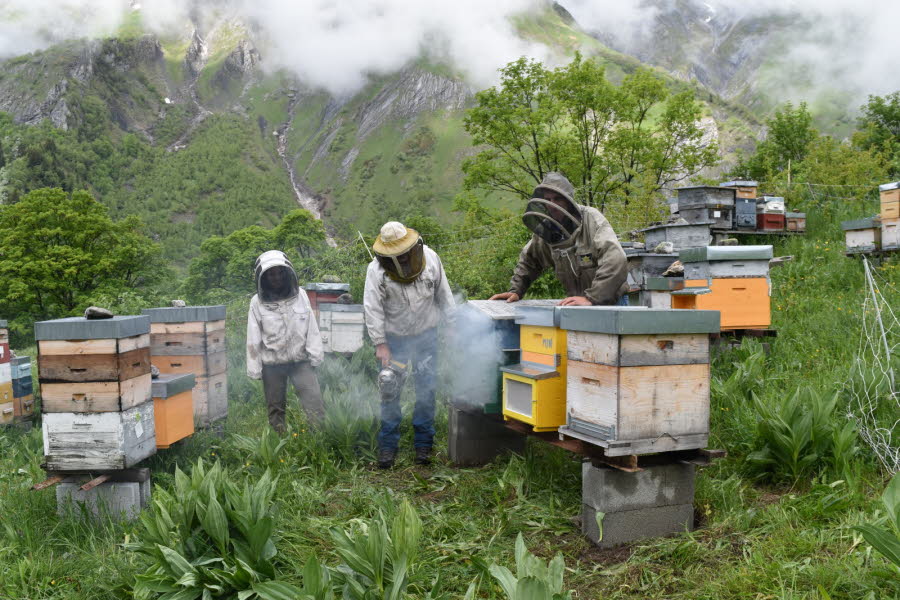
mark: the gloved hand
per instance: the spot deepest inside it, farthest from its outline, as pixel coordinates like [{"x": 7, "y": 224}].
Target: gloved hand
[{"x": 383, "y": 354}]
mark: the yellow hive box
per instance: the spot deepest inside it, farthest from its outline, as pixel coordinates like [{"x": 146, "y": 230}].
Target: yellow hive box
[
  {"x": 542, "y": 340},
  {"x": 24, "y": 406},
  {"x": 533, "y": 397},
  {"x": 7, "y": 413},
  {"x": 743, "y": 303}
]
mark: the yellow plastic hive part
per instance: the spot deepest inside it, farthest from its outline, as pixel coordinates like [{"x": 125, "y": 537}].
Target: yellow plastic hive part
[
  {"x": 539, "y": 402},
  {"x": 744, "y": 303},
  {"x": 543, "y": 340}
]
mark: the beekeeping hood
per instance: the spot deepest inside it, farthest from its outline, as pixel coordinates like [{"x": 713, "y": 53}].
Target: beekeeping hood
[
  {"x": 555, "y": 222},
  {"x": 288, "y": 288},
  {"x": 400, "y": 252}
]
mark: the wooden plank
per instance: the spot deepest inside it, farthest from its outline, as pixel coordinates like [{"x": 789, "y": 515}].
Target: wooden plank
[
  {"x": 195, "y": 364},
  {"x": 76, "y": 347},
  {"x": 94, "y": 367},
  {"x": 133, "y": 343},
  {"x": 597, "y": 348},
  {"x": 95, "y": 482},
  {"x": 47, "y": 483},
  {"x": 215, "y": 326},
  {"x": 181, "y": 344},
  {"x": 592, "y": 393},
  {"x": 663, "y": 400},
  {"x": 96, "y": 396},
  {"x": 676, "y": 349},
  {"x": 169, "y": 328}
]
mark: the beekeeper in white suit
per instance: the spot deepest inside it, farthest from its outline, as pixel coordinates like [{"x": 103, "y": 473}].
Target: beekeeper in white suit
[
  {"x": 406, "y": 296},
  {"x": 283, "y": 339}
]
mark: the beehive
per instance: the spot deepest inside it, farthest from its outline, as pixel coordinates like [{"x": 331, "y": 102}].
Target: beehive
[
  {"x": 702, "y": 204},
  {"x": 191, "y": 339},
  {"x": 770, "y": 222},
  {"x": 95, "y": 392},
  {"x": 890, "y": 200},
  {"x": 644, "y": 265},
  {"x": 23, "y": 393},
  {"x": 742, "y": 189},
  {"x": 638, "y": 378},
  {"x": 4, "y": 332},
  {"x": 745, "y": 213},
  {"x": 862, "y": 235},
  {"x": 717, "y": 262},
  {"x": 173, "y": 408},
  {"x": 534, "y": 390},
  {"x": 795, "y": 221},
  {"x": 656, "y": 292},
  {"x": 890, "y": 234},
  {"x": 342, "y": 327},
  {"x": 682, "y": 235},
  {"x": 325, "y": 293}
]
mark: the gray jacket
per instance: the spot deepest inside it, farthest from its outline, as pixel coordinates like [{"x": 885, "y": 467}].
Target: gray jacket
[{"x": 592, "y": 265}]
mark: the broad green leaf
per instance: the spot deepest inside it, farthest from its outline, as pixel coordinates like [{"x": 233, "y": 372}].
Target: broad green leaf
[
  {"x": 882, "y": 540},
  {"x": 506, "y": 580},
  {"x": 891, "y": 500},
  {"x": 599, "y": 518},
  {"x": 215, "y": 523},
  {"x": 276, "y": 590},
  {"x": 532, "y": 588},
  {"x": 177, "y": 564}
]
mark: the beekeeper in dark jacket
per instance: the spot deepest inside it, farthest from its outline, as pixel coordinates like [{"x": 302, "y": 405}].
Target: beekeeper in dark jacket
[
  {"x": 576, "y": 241},
  {"x": 283, "y": 339},
  {"x": 406, "y": 297}
]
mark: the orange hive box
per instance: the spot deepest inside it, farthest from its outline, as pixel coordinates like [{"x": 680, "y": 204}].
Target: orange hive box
[
  {"x": 173, "y": 408},
  {"x": 744, "y": 303}
]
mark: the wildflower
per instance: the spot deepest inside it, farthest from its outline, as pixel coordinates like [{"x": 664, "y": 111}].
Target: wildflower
[{"x": 295, "y": 435}]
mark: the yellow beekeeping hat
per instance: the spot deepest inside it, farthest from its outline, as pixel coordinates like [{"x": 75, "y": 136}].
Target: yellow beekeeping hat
[{"x": 394, "y": 239}]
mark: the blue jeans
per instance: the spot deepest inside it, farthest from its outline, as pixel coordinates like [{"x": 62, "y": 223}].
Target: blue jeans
[{"x": 421, "y": 350}]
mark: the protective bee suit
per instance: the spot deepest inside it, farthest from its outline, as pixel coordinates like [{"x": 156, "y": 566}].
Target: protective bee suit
[
  {"x": 576, "y": 241},
  {"x": 406, "y": 296},
  {"x": 283, "y": 339}
]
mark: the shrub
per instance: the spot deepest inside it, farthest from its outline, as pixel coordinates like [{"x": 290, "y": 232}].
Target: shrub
[{"x": 534, "y": 578}]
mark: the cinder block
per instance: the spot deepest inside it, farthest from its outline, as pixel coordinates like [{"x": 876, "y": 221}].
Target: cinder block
[
  {"x": 476, "y": 439},
  {"x": 609, "y": 490},
  {"x": 123, "y": 499},
  {"x": 632, "y": 525}
]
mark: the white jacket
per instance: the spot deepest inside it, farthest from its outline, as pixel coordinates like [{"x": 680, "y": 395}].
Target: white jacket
[{"x": 406, "y": 309}]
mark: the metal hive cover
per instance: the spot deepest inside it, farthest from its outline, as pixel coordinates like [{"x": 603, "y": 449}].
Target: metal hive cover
[
  {"x": 79, "y": 328},
  {"x": 543, "y": 316},
  {"x": 501, "y": 310},
  {"x": 165, "y": 386},
  {"x": 740, "y": 183},
  {"x": 713, "y": 253},
  {"x": 889, "y": 186},
  {"x": 855, "y": 224},
  {"x": 185, "y": 314},
  {"x": 638, "y": 320},
  {"x": 337, "y": 288},
  {"x": 329, "y": 307}
]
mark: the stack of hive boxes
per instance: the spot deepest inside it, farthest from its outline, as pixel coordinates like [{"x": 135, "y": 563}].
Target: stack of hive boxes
[
  {"x": 706, "y": 204},
  {"x": 890, "y": 215},
  {"x": 342, "y": 326},
  {"x": 95, "y": 393},
  {"x": 646, "y": 284},
  {"x": 325, "y": 293},
  {"x": 638, "y": 378},
  {"x": 191, "y": 339},
  {"x": 534, "y": 390},
  {"x": 771, "y": 215},
  {"x": 173, "y": 408},
  {"x": 23, "y": 393},
  {"x": 7, "y": 404},
  {"x": 731, "y": 279}
]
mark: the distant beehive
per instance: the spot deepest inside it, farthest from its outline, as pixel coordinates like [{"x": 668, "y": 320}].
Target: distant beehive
[
  {"x": 795, "y": 221},
  {"x": 95, "y": 392},
  {"x": 745, "y": 213},
  {"x": 342, "y": 326},
  {"x": 890, "y": 200},
  {"x": 7, "y": 401},
  {"x": 23, "y": 392},
  {"x": 325, "y": 293},
  {"x": 638, "y": 378},
  {"x": 742, "y": 189},
  {"x": 731, "y": 279},
  {"x": 534, "y": 390},
  {"x": 191, "y": 339},
  {"x": 682, "y": 235},
  {"x": 4, "y": 332},
  {"x": 862, "y": 235},
  {"x": 702, "y": 204}
]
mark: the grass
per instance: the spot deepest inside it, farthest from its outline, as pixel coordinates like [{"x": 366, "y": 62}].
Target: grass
[{"x": 754, "y": 540}]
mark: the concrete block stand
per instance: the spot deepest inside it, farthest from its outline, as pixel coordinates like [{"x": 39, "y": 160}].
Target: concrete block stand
[
  {"x": 476, "y": 438},
  {"x": 655, "y": 502},
  {"x": 112, "y": 499}
]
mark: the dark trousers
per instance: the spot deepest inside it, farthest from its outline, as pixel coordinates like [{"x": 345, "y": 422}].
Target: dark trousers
[
  {"x": 421, "y": 351},
  {"x": 306, "y": 384}
]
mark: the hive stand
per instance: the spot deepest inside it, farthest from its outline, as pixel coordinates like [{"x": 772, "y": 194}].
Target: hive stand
[{"x": 116, "y": 494}]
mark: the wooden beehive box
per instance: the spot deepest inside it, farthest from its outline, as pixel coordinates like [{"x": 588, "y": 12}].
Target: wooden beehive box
[
  {"x": 770, "y": 222},
  {"x": 7, "y": 397},
  {"x": 644, "y": 265},
  {"x": 701, "y": 204},
  {"x": 744, "y": 303},
  {"x": 862, "y": 235},
  {"x": 173, "y": 408},
  {"x": 95, "y": 392},
  {"x": 638, "y": 378},
  {"x": 342, "y": 326},
  {"x": 656, "y": 292},
  {"x": 534, "y": 388},
  {"x": 682, "y": 235},
  {"x": 742, "y": 188},
  {"x": 325, "y": 293},
  {"x": 23, "y": 393},
  {"x": 795, "y": 221},
  {"x": 191, "y": 339},
  {"x": 890, "y": 234},
  {"x": 890, "y": 200},
  {"x": 745, "y": 213},
  {"x": 718, "y": 262}
]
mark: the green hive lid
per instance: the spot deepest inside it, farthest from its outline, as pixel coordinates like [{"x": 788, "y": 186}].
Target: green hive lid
[
  {"x": 185, "y": 314},
  {"x": 713, "y": 253},
  {"x": 739, "y": 183},
  {"x": 867, "y": 223},
  {"x": 337, "y": 288},
  {"x": 79, "y": 328},
  {"x": 795, "y": 215},
  {"x": 542, "y": 316},
  {"x": 165, "y": 386},
  {"x": 663, "y": 284},
  {"x": 638, "y": 320},
  {"x": 889, "y": 186}
]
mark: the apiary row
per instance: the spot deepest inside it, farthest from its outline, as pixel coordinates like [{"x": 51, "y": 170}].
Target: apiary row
[
  {"x": 16, "y": 394},
  {"x": 733, "y": 206},
  {"x": 632, "y": 380},
  {"x": 881, "y": 232}
]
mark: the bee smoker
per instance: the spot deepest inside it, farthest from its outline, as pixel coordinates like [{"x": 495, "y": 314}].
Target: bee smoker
[{"x": 391, "y": 379}]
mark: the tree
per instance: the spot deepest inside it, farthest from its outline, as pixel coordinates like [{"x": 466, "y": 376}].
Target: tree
[
  {"x": 879, "y": 128},
  {"x": 60, "y": 249},
  {"x": 609, "y": 140},
  {"x": 790, "y": 133}
]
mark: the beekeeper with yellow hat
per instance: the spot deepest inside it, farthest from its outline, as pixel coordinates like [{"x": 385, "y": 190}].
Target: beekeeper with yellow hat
[{"x": 406, "y": 296}]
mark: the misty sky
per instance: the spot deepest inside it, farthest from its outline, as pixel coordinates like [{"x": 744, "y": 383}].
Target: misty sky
[{"x": 337, "y": 45}]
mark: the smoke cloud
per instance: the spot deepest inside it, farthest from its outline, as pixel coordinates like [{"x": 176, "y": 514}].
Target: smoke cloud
[{"x": 834, "y": 46}]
